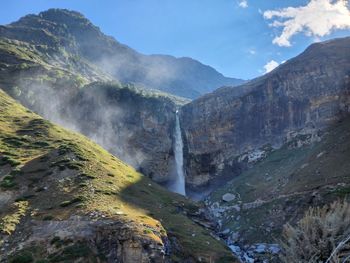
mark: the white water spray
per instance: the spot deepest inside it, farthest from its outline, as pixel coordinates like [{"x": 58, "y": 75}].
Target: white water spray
[{"x": 178, "y": 185}]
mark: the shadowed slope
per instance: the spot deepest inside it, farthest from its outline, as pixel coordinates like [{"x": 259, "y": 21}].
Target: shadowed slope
[{"x": 65, "y": 198}]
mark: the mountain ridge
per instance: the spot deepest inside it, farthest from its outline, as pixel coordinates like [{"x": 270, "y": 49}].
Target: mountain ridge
[
  {"x": 303, "y": 95},
  {"x": 180, "y": 76}
]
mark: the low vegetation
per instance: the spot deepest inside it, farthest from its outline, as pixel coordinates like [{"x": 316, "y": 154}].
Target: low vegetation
[
  {"x": 322, "y": 235},
  {"x": 281, "y": 187},
  {"x": 9, "y": 222},
  {"x": 69, "y": 175}
]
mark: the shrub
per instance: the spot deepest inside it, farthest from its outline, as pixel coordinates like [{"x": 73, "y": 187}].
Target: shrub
[
  {"x": 8, "y": 160},
  {"x": 40, "y": 144},
  {"x": 87, "y": 176},
  {"x": 71, "y": 253},
  {"x": 23, "y": 257},
  {"x": 322, "y": 235},
  {"x": 55, "y": 240},
  {"x": 48, "y": 218},
  {"x": 147, "y": 231},
  {"x": 8, "y": 182},
  {"x": 73, "y": 201}
]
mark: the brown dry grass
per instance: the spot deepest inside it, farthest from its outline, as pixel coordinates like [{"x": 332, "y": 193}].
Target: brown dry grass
[{"x": 322, "y": 235}]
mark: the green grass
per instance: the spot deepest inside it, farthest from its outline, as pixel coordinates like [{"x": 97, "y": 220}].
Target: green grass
[
  {"x": 8, "y": 182},
  {"x": 81, "y": 177},
  {"x": 8, "y": 160}
]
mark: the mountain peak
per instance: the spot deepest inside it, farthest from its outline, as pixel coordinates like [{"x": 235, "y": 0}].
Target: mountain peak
[
  {"x": 54, "y": 18},
  {"x": 71, "y": 30},
  {"x": 58, "y": 15}
]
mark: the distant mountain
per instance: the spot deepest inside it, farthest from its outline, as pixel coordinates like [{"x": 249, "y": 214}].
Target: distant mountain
[{"x": 72, "y": 33}]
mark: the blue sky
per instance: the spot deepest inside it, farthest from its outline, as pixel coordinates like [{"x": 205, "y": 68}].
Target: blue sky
[{"x": 233, "y": 36}]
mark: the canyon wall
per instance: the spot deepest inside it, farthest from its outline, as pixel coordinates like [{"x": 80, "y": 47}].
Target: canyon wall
[
  {"x": 49, "y": 57},
  {"x": 231, "y": 127},
  {"x": 136, "y": 127}
]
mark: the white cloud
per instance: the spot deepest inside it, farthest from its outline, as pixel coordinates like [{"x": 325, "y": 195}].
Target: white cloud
[
  {"x": 252, "y": 51},
  {"x": 317, "y": 19},
  {"x": 271, "y": 65},
  {"x": 243, "y": 3}
]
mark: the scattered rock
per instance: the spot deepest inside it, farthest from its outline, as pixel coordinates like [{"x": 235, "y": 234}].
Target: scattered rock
[
  {"x": 274, "y": 249},
  {"x": 234, "y": 237},
  {"x": 228, "y": 197},
  {"x": 320, "y": 154},
  {"x": 261, "y": 249}
]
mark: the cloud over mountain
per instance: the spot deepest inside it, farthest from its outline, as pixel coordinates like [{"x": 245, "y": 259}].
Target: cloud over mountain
[
  {"x": 317, "y": 19},
  {"x": 271, "y": 65}
]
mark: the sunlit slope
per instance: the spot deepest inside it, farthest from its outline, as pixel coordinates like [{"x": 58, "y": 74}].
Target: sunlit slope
[{"x": 64, "y": 198}]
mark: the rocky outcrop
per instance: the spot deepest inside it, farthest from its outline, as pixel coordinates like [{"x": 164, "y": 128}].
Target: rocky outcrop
[
  {"x": 299, "y": 97},
  {"x": 80, "y": 237},
  {"x": 133, "y": 123}
]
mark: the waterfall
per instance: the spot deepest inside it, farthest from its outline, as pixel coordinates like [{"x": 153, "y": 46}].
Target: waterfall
[{"x": 178, "y": 185}]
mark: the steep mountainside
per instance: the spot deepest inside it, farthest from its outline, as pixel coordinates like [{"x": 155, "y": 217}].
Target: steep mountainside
[
  {"x": 54, "y": 56},
  {"x": 75, "y": 39},
  {"x": 63, "y": 199},
  {"x": 132, "y": 123},
  {"x": 298, "y": 98},
  {"x": 136, "y": 125},
  {"x": 280, "y": 188}
]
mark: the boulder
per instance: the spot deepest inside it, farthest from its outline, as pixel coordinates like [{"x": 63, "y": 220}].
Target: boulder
[{"x": 228, "y": 197}]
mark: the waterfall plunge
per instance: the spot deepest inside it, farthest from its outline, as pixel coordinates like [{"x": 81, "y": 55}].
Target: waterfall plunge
[{"x": 178, "y": 185}]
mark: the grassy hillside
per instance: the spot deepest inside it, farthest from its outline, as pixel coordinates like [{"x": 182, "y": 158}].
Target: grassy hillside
[
  {"x": 25, "y": 66},
  {"x": 136, "y": 126},
  {"x": 60, "y": 192},
  {"x": 280, "y": 188}
]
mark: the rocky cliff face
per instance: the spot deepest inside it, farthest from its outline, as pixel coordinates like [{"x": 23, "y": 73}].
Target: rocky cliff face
[
  {"x": 63, "y": 198},
  {"x": 252, "y": 208},
  {"x": 54, "y": 55},
  {"x": 136, "y": 127},
  {"x": 133, "y": 123},
  {"x": 296, "y": 99}
]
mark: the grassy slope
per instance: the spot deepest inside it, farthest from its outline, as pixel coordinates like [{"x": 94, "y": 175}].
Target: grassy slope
[
  {"x": 24, "y": 65},
  {"x": 287, "y": 182},
  {"x": 18, "y": 55},
  {"x": 34, "y": 152}
]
